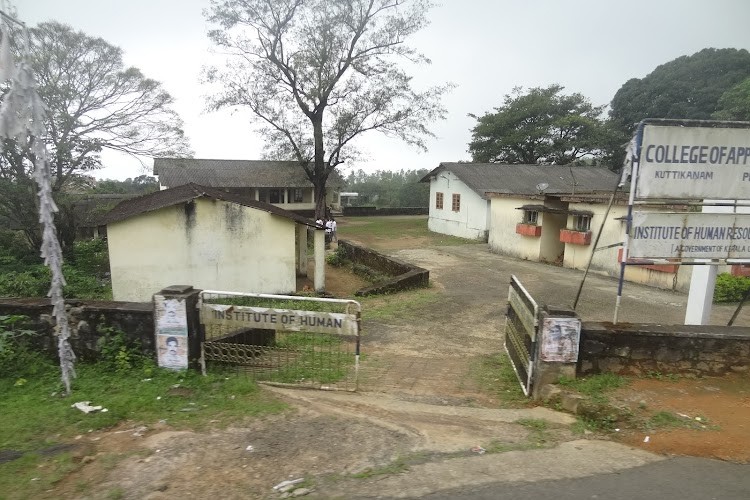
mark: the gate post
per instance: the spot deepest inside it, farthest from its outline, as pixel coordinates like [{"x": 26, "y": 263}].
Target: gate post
[
  {"x": 557, "y": 347},
  {"x": 177, "y": 327}
]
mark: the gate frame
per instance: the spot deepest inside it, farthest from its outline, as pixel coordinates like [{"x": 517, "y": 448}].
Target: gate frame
[
  {"x": 525, "y": 385},
  {"x": 347, "y": 302}
]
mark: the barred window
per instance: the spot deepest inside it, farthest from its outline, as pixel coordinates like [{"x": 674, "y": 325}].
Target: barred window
[
  {"x": 439, "y": 201},
  {"x": 530, "y": 217},
  {"x": 456, "y": 205},
  {"x": 582, "y": 223}
]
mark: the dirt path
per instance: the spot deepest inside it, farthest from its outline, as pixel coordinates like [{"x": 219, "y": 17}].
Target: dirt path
[{"x": 412, "y": 428}]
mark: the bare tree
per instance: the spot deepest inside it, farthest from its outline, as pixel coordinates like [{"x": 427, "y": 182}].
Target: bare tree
[
  {"x": 92, "y": 102},
  {"x": 316, "y": 74}
]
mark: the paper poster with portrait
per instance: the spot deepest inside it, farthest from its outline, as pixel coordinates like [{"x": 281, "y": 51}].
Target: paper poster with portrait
[
  {"x": 560, "y": 339},
  {"x": 171, "y": 316},
  {"x": 172, "y": 351},
  {"x": 171, "y": 332}
]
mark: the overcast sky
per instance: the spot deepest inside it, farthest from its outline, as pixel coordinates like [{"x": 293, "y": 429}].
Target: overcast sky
[{"x": 485, "y": 47}]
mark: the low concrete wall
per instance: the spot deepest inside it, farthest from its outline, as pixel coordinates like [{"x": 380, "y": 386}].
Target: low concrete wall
[
  {"x": 405, "y": 276},
  {"x": 89, "y": 321},
  {"x": 640, "y": 349},
  {"x": 363, "y": 211}
]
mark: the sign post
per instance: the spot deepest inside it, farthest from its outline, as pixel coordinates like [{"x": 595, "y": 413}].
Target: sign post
[{"x": 691, "y": 162}]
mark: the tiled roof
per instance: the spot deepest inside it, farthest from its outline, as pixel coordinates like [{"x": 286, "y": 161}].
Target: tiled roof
[
  {"x": 523, "y": 179},
  {"x": 175, "y": 172},
  {"x": 181, "y": 194}
]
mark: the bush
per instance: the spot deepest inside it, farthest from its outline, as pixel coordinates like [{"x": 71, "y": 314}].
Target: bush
[
  {"x": 17, "y": 356},
  {"x": 91, "y": 257},
  {"x": 34, "y": 281},
  {"x": 337, "y": 258},
  {"x": 730, "y": 288}
]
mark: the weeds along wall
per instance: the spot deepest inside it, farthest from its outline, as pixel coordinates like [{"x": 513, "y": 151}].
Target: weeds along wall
[
  {"x": 404, "y": 275},
  {"x": 91, "y": 323}
]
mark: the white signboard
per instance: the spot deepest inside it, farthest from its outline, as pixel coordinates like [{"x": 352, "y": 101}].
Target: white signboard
[
  {"x": 689, "y": 236},
  {"x": 694, "y": 163},
  {"x": 279, "y": 319}
]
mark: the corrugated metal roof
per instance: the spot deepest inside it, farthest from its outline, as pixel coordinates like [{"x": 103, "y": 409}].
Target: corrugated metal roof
[
  {"x": 175, "y": 172},
  {"x": 487, "y": 178},
  {"x": 181, "y": 194}
]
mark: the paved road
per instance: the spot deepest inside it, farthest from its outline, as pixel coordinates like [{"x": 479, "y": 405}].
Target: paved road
[{"x": 677, "y": 478}]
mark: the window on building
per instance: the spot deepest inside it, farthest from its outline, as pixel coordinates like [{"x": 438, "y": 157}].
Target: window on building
[
  {"x": 297, "y": 195},
  {"x": 530, "y": 217},
  {"x": 456, "y": 205},
  {"x": 274, "y": 196},
  {"x": 582, "y": 223},
  {"x": 439, "y": 201}
]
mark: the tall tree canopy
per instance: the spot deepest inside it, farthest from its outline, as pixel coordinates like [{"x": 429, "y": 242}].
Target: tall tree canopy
[
  {"x": 316, "y": 74},
  {"x": 93, "y": 102},
  {"x": 689, "y": 87},
  {"x": 542, "y": 125},
  {"x": 387, "y": 188},
  {"x": 734, "y": 104}
]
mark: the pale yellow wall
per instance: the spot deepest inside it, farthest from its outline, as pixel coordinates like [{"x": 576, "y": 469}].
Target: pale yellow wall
[
  {"x": 222, "y": 246},
  {"x": 577, "y": 256},
  {"x": 605, "y": 261},
  {"x": 503, "y": 238}
]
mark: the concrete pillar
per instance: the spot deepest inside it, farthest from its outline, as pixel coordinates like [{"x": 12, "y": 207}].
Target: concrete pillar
[
  {"x": 301, "y": 250},
  {"x": 701, "y": 295},
  {"x": 703, "y": 281},
  {"x": 177, "y": 327},
  {"x": 558, "y": 341},
  {"x": 319, "y": 281}
]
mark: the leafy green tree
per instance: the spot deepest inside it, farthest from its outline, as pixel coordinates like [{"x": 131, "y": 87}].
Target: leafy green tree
[
  {"x": 138, "y": 185},
  {"x": 734, "y": 104},
  {"x": 689, "y": 87},
  {"x": 385, "y": 188},
  {"x": 316, "y": 74},
  {"x": 542, "y": 125},
  {"x": 93, "y": 103}
]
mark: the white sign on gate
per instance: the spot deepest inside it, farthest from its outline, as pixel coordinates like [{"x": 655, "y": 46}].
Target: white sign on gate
[
  {"x": 689, "y": 236},
  {"x": 279, "y": 319},
  {"x": 694, "y": 163}
]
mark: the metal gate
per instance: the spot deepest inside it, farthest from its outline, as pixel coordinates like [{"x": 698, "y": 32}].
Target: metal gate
[
  {"x": 521, "y": 324},
  {"x": 282, "y": 339}
]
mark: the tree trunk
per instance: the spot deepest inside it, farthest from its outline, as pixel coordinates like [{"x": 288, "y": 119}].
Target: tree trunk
[{"x": 320, "y": 172}]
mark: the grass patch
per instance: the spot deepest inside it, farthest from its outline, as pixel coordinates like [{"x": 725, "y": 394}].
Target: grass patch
[
  {"x": 34, "y": 416},
  {"x": 495, "y": 375},
  {"x": 397, "y": 466},
  {"x": 665, "y": 419},
  {"x": 316, "y": 356},
  {"x": 373, "y": 229},
  {"x": 595, "y": 387},
  {"x": 406, "y": 305}
]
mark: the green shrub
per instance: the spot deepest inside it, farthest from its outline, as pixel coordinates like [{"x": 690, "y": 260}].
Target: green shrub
[
  {"x": 119, "y": 354},
  {"x": 730, "y": 288},
  {"x": 337, "y": 258},
  {"x": 17, "y": 356},
  {"x": 34, "y": 281},
  {"x": 91, "y": 257}
]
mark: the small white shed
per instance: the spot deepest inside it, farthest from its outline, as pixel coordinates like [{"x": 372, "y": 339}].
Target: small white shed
[{"x": 203, "y": 237}]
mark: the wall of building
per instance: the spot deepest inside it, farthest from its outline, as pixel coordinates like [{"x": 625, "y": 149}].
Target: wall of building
[
  {"x": 469, "y": 222},
  {"x": 503, "y": 238},
  {"x": 209, "y": 244}
]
